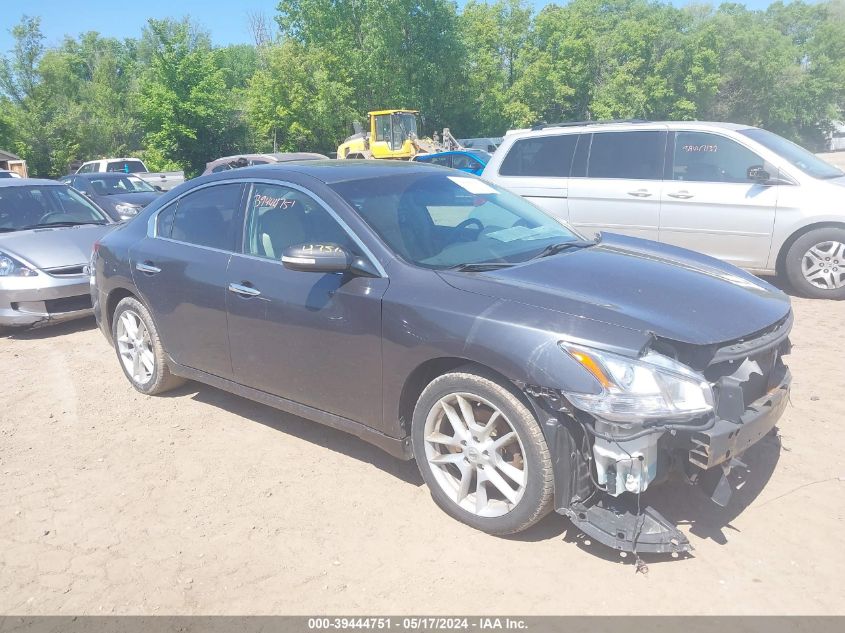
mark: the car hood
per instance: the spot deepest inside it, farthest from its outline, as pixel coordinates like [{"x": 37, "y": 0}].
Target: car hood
[
  {"x": 50, "y": 248},
  {"x": 641, "y": 285},
  {"x": 140, "y": 198}
]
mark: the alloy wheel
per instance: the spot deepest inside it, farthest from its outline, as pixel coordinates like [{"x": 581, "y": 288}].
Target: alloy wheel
[
  {"x": 823, "y": 265},
  {"x": 475, "y": 455},
  {"x": 135, "y": 347}
]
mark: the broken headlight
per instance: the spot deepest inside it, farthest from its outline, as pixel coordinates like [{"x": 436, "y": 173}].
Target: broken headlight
[{"x": 652, "y": 386}]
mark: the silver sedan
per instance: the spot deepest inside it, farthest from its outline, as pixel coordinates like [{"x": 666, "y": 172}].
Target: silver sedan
[{"x": 47, "y": 231}]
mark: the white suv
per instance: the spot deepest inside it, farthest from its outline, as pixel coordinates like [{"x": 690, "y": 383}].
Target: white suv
[{"x": 739, "y": 193}]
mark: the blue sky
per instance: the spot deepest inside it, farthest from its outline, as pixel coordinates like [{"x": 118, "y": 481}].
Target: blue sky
[{"x": 225, "y": 19}]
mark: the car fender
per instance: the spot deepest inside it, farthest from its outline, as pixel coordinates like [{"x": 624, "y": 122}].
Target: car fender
[
  {"x": 787, "y": 232},
  {"x": 426, "y": 321}
]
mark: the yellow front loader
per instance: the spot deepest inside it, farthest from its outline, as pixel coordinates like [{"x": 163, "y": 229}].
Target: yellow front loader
[{"x": 393, "y": 134}]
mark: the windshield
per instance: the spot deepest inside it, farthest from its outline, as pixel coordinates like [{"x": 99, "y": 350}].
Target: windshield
[
  {"x": 440, "y": 221},
  {"x": 38, "y": 206},
  {"x": 124, "y": 184},
  {"x": 806, "y": 161}
]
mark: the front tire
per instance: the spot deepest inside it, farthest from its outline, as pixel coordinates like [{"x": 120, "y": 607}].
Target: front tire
[
  {"x": 815, "y": 264},
  {"x": 482, "y": 453},
  {"x": 139, "y": 349}
]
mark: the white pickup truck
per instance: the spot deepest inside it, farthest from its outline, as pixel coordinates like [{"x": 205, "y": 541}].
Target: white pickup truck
[{"x": 162, "y": 180}]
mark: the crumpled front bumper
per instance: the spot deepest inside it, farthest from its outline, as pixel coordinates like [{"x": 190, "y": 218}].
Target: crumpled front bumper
[
  {"x": 43, "y": 299},
  {"x": 619, "y": 522},
  {"x": 728, "y": 439}
]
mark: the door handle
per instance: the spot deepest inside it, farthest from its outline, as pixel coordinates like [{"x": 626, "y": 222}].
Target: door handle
[
  {"x": 244, "y": 291},
  {"x": 683, "y": 195},
  {"x": 640, "y": 193},
  {"x": 147, "y": 268}
]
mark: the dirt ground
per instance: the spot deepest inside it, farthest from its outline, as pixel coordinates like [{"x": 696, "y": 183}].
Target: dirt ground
[{"x": 205, "y": 503}]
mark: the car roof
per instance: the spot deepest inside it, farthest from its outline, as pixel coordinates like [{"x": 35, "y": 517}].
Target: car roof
[
  {"x": 464, "y": 150},
  {"x": 24, "y": 182},
  {"x": 593, "y": 126},
  {"x": 329, "y": 171},
  {"x": 396, "y": 111},
  {"x": 278, "y": 157}
]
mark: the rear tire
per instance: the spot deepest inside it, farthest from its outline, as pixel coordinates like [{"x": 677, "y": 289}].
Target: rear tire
[
  {"x": 482, "y": 453},
  {"x": 815, "y": 264},
  {"x": 139, "y": 349}
]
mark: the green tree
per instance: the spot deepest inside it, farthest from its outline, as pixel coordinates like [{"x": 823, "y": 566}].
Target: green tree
[
  {"x": 296, "y": 100},
  {"x": 396, "y": 53},
  {"x": 92, "y": 86},
  {"x": 20, "y": 81},
  {"x": 493, "y": 37},
  {"x": 601, "y": 59},
  {"x": 185, "y": 107},
  {"x": 238, "y": 63}
]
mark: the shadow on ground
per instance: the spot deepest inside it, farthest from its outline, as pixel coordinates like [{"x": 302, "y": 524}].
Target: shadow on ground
[
  {"x": 681, "y": 503},
  {"x": 50, "y": 330},
  {"x": 781, "y": 283},
  {"x": 307, "y": 430}
]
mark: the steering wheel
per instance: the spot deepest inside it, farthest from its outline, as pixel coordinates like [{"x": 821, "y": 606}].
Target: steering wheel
[
  {"x": 56, "y": 216},
  {"x": 467, "y": 234}
]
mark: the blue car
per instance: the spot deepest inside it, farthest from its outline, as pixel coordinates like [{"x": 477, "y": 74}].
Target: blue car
[{"x": 469, "y": 160}]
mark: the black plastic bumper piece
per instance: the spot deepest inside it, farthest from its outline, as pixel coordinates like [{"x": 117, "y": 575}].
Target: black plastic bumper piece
[
  {"x": 727, "y": 439},
  {"x": 614, "y": 523}
]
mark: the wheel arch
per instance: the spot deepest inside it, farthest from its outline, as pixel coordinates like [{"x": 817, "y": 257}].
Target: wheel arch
[
  {"x": 114, "y": 297},
  {"x": 425, "y": 372},
  {"x": 796, "y": 235}
]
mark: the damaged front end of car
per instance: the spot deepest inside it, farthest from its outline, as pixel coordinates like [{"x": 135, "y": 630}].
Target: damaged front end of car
[{"x": 673, "y": 409}]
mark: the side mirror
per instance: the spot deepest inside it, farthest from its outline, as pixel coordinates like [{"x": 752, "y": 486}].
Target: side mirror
[
  {"x": 317, "y": 258},
  {"x": 756, "y": 173},
  {"x": 158, "y": 188}
]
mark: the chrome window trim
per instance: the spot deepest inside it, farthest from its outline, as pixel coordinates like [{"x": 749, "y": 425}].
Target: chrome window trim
[
  {"x": 152, "y": 223},
  {"x": 206, "y": 248}
]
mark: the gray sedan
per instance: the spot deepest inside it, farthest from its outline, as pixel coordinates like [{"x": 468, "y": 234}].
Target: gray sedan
[
  {"x": 47, "y": 231},
  {"x": 525, "y": 368},
  {"x": 119, "y": 195}
]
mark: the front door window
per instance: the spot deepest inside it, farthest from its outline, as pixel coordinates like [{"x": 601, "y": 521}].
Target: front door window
[
  {"x": 704, "y": 157},
  {"x": 279, "y": 217}
]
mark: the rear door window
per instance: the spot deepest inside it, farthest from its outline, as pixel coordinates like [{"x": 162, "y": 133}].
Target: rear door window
[
  {"x": 208, "y": 217},
  {"x": 705, "y": 157},
  {"x": 540, "y": 156},
  {"x": 627, "y": 155}
]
